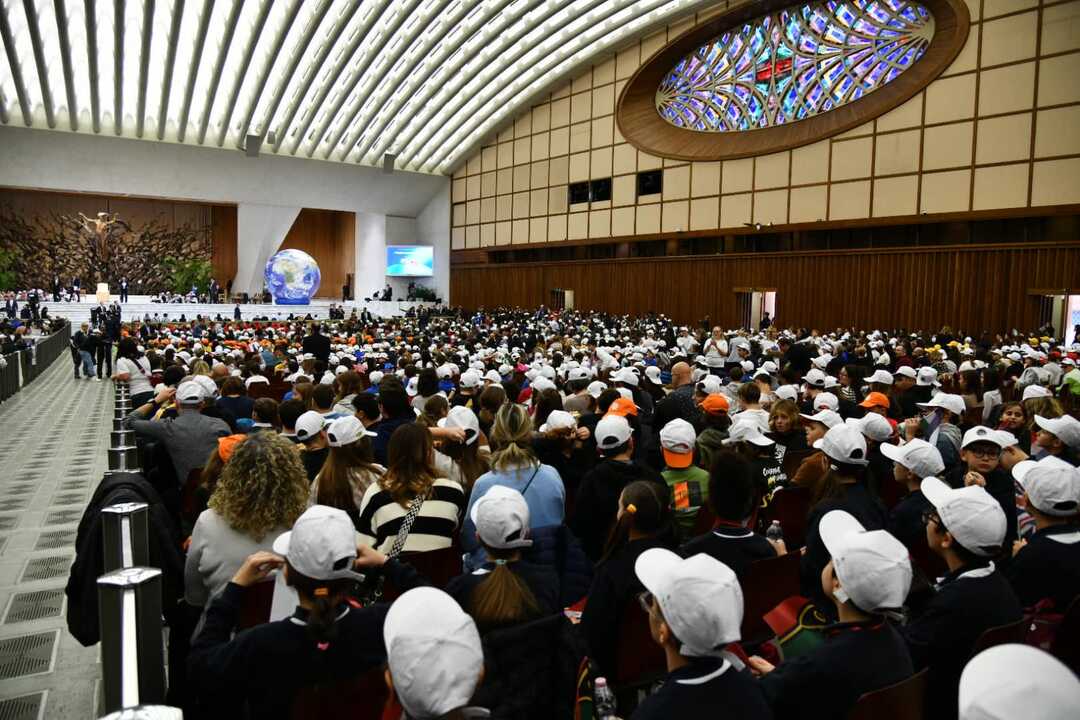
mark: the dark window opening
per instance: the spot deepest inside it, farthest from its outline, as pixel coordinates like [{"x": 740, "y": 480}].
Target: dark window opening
[
  {"x": 578, "y": 193},
  {"x": 650, "y": 183},
  {"x": 600, "y": 190}
]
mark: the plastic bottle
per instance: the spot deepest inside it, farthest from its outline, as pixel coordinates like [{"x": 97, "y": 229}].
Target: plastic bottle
[
  {"x": 603, "y": 700},
  {"x": 774, "y": 532}
]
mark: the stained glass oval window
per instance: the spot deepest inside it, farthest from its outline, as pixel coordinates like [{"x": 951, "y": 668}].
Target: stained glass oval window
[{"x": 794, "y": 64}]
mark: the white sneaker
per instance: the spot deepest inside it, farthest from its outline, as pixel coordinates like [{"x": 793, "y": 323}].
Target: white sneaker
[{"x": 97, "y": 379}]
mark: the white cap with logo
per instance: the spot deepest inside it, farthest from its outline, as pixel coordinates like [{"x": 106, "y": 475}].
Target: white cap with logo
[
  {"x": 1012, "y": 681},
  {"x": 969, "y": 514},
  {"x": 309, "y": 424},
  {"x": 434, "y": 653},
  {"x": 828, "y": 418},
  {"x": 845, "y": 444},
  {"x": 501, "y": 517},
  {"x": 345, "y": 431},
  {"x": 596, "y": 388},
  {"x": 699, "y": 596},
  {"x": 926, "y": 376},
  {"x": 981, "y": 433},
  {"x": 873, "y": 426},
  {"x": 1052, "y": 485},
  {"x": 952, "y": 403},
  {"x": 321, "y": 544},
  {"x": 464, "y": 418},
  {"x": 826, "y": 401},
  {"x": 612, "y": 431},
  {"x": 1066, "y": 428},
  {"x": 747, "y": 431},
  {"x": 874, "y": 568},
  {"x": 920, "y": 457}
]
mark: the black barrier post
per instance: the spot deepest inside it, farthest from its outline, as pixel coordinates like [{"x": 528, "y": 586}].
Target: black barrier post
[
  {"x": 132, "y": 652},
  {"x": 125, "y": 534}
]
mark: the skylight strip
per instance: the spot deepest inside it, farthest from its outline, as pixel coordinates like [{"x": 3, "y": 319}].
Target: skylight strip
[
  {"x": 118, "y": 65},
  {"x": 14, "y": 66},
  {"x": 209, "y": 64},
  {"x": 106, "y": 70},
  {"x": 60, "y": 16},
  {"x": 254, "y": 38},
  {"x": 200, "y": 28},
  {"x": 146, "y": 37},
  {"x": 164, "y": 78},
  {"x": 219, "y": 67},
  {"x": 342, "y": 60},
  {"x": 39, "y": 61}
]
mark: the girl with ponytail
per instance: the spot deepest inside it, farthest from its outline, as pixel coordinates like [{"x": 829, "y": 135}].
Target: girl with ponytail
[
  {"x": 505, "y": 590},
  {"x": 644, "y": 521}
]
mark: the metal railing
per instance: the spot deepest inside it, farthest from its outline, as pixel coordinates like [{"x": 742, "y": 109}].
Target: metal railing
[{"x": 23, "y": 366}]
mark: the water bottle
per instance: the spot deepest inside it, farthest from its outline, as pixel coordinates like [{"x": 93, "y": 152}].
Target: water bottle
[
  {"x": 603, "y": 700},
  {"x": 774, "y": 532}
]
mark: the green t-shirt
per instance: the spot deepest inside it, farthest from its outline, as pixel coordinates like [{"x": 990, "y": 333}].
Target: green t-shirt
[{"x": 689, "y": 491}]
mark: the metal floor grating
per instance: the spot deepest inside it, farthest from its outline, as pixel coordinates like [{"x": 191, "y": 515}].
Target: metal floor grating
[
  {"x": 70, "y": 498},
  {"x": 9, "y": 522},
  {"x": 27, "y": 654},
  {"x": 16, "y": 503},
  {"x": 45, "y": 568},
  {"x": 63, "y": 517},
  {"x": 23, "y": 707},
  {"x": 28, "y": 606},
  {"x": 3, "y": 543},
  {"x": 55, "y": 540}
]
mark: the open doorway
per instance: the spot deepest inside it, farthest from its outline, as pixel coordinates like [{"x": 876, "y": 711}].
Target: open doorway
[
  {"x": 1061, "y": 311},
  {"x": 756, "y": 307}
]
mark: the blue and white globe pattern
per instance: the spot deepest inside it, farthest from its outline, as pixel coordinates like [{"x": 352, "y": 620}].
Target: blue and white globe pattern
[{"x": 293, "y": 277}]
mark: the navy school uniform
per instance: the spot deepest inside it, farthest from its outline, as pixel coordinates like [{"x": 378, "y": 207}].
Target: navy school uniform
[
  {"x": 1002, "y": 488},
  {"x": 707, "y": 687},
  {"x": 734, "y": 545},
  {"x": 856, "y": 658},
  {"x": 906, "y": 519},
  {"x": 969, "y": 601},
  {"x": 1048, "y": 567}
]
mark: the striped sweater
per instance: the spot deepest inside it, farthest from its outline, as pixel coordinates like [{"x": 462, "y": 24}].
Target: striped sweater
[{"x": 434, "y": 528}]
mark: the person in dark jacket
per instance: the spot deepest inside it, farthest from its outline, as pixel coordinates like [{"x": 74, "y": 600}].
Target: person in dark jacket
[
  {"x": 598, "y": 496},
  {"x": 914, "y": 461},
  {"x": 841, "y": 489},
  {"x": 980, "y": 464},
  {"x": 396, "y": 411},
  {"x": 965, "y": 528},
  {"x": 327, "y": 640},
  {"x": 505, "y": 590},
  {"x": 731, "y": 498},
  {"x": 868, "y": 574},
  {"x": 317, "y": 344},
  {"x": 643, "y": 521},
  {"x": 1047, "y": 565}
]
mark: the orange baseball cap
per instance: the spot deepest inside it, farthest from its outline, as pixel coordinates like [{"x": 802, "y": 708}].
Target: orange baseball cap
[
  {"x": 226, "y": 445},
  {"x": 623, "y": 407},
  {"x": 715, "y": 404},
  {"x": 875, "y": 399}
]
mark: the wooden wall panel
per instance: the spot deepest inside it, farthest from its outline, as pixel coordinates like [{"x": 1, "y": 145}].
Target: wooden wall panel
[
  {"x": 223, "y": 227},
  {"x": 329, "y": 237},
  {"x": 973, "y": 287}
]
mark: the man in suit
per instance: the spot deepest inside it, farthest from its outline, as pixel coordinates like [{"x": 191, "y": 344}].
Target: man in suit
[
  {"x": 123, "y": 289},
  {"x": 11, "y": 307},
  {"x": 317, "y": 344}
]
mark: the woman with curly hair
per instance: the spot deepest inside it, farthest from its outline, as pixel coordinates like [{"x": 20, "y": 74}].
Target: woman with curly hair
[{"x": 262, "y": 490}]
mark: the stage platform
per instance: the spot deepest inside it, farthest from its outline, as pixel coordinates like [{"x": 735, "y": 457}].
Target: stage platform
[{"x": 138, "y": 306}]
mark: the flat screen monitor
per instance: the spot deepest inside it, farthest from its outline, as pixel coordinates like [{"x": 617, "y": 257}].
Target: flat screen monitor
[{"x": 410, "y": 261}]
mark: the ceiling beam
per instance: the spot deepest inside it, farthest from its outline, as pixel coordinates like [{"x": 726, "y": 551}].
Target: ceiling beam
[
  {"x": 65, "y": 57},
  {"x": 245, "y": 61},
  {"x": 118, "y": 67},
  {"x": 346, "y": 56},
  {"x": 13, "y": 63},
  {"x": 215, "y": 77},
  {"x": 3, "y": 109},
  {"x": 286, "y": 77},
  {"x": 193, "y": 72},
  {"x": 312, "y": 73},
  {"x": 170, "y": 63},
  {"x": 144, "y": 65},
  {"x": 418, "y": 80},
  {"x": 372, "y": 84},
  {"x": 39, "y": 60},
  {"x": 90, "y": 13}
]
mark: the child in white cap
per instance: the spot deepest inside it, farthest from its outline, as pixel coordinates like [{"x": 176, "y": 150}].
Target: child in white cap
[
  {"x": 966, "y": 528},
  {"x": 327, "y": 640},
  {"x": 1047, "y": 565},
  {"x": 1011, "y": 681},
  {"x": 695, "y": 608},
  {"x": 868, "y": 575},
  {"x": 912, "y": 463}
]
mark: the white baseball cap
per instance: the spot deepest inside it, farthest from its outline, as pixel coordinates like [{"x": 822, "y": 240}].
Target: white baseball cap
[
  {"x": 321, "y": 544},
  {"x": 626, "y": 375},
  {"x": 907, "y": 371},
  {"x": 1012, "y": 681},
  {"x": 190, "y": 393},
  {"x": 1035, "y": 391},
  {"x": 787, "y": 392},
  {"x": 981, "y": 433},
  {"x": 874, "y": 426},
  {"x": 345, "y": 431},
  {"x": 747, "y": 431},
  {"x": 1066, "y": 428},
  {"x": 462, "y": 417},
  {"x": 596, "y": 388},
  {"x": 558, "y": 420},
  {"x": 501, "y": 517},
  {"x": 882, "y": 377},
  {"x": 309, "y": 424},
  {"x": 1052, "y": 485},
  {"x": 612, "y": 431},
  {"x": 815, "y": 378},
  {"x": 920, "y": 457},
  {"x": 493, "y": 376},
  {"x": 826, "y": 401},
  {"x": 677, "y": 439},
  {"x": 470, "y": 379},
  {"x": 433, "y": 651},
  {"x": 873, "y": 567},
  {"x": 830, "y": 418},
  {"x": 653, "y": 373},
  {"x": 970, "y": 514},
  {"x": 948, "y": 401},
  {"x": 845, "y": 444},
  {"x": 710, "y": 385},
  {"x": 926, "y": 376},
  {"x": 699, "y": 597},
  {"x": 210, "y": 388}
]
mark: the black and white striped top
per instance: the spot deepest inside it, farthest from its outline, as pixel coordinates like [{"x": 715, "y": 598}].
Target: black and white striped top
[{"x": 434, "y": 528}]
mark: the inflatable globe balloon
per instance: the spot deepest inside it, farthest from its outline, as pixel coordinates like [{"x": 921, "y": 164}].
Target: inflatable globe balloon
[{"x": 292, "y": 277}]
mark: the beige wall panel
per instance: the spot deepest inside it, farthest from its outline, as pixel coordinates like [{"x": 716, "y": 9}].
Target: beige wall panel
[
  {"x": 851, "y": 159},
  {"x": 950, "y": 99},
  {"x": 1057, "y": 132},
  {"x": 946, "y": 191},
  {"x": 1003, "y": 139},
  {"x": 735, "y": 210},
  {"x": 1006, "y": 89},
  {"x": 809, "y": 204},
  {"x": 1055, "y": 182},
  {"x": 677, "y": 182},
  {"x": 947, "y": 146},
  {"x": 849, "y": 200},
  {"x": 648, "y": 219},
  {"x": 557, "y": 228},
  {"x": 1001, "y": 186},
  {"x": 622, "y": 221},
  {"x": 771, "y": 207},
  {"x": 705, "y": 179},
  {"x": 675, "y": 216},
  {"x": 738, "y": 175},
  {"x": 623, "y": 190},
  {"x": 1057, "y": 80},
  {"x": 1061, "y": 28},
  {"x": 704, "y": 213},
  {"x": 907, "y": 115},
  {"x": 896, "y": 153},
  {"x": 1009, "y": 39},
  {"x": 810, "y": 163},
  {"x": 771, "y": 171},
  {"x": 896, "y": 196}
]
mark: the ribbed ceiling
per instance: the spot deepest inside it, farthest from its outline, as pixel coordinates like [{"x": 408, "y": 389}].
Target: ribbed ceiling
[{"x": 337, "y": 80}]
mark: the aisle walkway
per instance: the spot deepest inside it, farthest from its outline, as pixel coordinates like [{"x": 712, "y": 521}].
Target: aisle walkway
[{"x": 55, "y": 436}]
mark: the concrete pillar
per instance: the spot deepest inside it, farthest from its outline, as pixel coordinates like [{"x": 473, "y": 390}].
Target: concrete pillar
[{"x": 260, "y": 230}]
